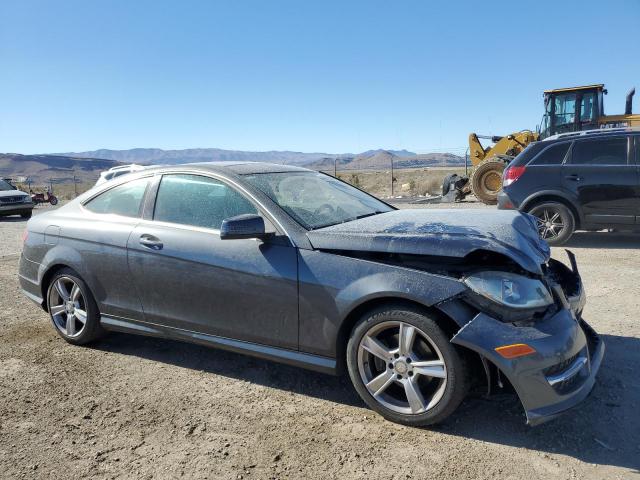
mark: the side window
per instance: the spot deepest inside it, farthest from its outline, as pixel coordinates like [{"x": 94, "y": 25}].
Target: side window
[
  {"x": 553, "y": 155},
  {"x": 198, "y": 201},
  {"x": 604, "y": 151},
  {"x": 125, "y": 199},
  {"x": 587, "y": 107}
]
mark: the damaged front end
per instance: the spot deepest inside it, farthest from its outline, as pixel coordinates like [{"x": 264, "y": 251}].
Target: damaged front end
[{"x": 545, "y": 349}]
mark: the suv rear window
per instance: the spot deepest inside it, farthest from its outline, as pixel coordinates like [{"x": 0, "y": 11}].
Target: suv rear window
[
  {"x": 553, "y": 155},
  {"x": 602, "y": 151}
]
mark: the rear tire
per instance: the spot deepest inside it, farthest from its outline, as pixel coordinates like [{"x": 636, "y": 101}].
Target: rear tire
[
  {"x": 446, "y": 183},
  {"x": 72, "y": 308},
  {"x": 556, "y": 222},
  {"x": 428, "y": 364}
]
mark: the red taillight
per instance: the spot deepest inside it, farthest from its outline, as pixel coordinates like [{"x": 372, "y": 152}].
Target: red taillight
[
  {"x": 25, "y": 234},
  {"x": 511, "y": 174}
]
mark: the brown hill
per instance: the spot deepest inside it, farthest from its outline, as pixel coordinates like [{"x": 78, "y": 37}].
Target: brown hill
[{"x": 40, "y": 169}]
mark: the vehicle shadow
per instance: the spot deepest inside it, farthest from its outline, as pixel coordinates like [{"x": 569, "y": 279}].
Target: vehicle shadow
[
  {"x": 13, "y": 219},
  {"x": 605, "y": 429},
  {"x": 615, "y": 240},
  {"x": 234, "y": 365}
]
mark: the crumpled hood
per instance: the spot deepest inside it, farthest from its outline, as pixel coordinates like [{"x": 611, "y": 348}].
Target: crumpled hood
[{"x": 451, "y": 233}]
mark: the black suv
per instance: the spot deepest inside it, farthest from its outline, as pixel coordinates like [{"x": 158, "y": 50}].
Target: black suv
[{"x": 585, "y": 180}]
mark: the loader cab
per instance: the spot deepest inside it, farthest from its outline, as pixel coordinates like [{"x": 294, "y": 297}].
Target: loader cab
[{"x": 572, "y": 109}]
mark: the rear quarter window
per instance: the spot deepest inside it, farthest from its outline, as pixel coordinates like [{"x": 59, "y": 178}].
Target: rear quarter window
[
  {"x": 552, "y": 155},
  {"x": 125, "y": 199}
]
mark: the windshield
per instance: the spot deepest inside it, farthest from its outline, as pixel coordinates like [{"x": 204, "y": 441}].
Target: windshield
[
  {"x": 4, "y": 186},
  {"x": 316, "y": 200}
]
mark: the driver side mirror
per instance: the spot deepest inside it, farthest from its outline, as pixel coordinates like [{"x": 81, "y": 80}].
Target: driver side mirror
[{"x": 243, "y": 226}]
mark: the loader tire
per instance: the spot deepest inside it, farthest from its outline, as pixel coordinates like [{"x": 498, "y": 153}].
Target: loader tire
[{"x": 486, "y": 181}]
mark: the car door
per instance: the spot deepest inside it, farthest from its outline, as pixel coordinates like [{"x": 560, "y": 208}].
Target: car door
[
  {"x": 189, "y": 278},
  {"x": 603, "y": 179},
  {"x": 99, "y": 235}
]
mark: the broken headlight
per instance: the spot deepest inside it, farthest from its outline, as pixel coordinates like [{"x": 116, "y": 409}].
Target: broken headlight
[{"x": 509, "y": 296}]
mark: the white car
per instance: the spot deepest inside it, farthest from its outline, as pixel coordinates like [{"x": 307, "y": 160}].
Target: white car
[
  {"x": 117, "y": 172},
  {"x": 14, "y": 201}
]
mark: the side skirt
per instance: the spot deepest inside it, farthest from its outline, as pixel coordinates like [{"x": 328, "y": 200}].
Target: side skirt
[{"x": 281, "y": 355}]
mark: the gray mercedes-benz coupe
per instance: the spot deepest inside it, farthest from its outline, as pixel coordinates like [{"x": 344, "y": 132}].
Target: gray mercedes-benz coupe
[{"x": 296, "y": 266}]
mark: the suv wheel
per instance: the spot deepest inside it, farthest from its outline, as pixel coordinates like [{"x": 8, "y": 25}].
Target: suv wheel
[
  {"x": 72, "y": 309},
  {"x": 556, "y": 222},
  {"x": 404, "y": 367}
]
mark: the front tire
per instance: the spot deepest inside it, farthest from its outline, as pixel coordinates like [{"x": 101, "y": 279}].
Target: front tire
[
  {"x": 556, "y": 222},
  {"x": 26, "y": 214},
  {"x": 486, "y": 180},
  {"x": 72, "y": 308},
  {"x": 403, "y": 366}
]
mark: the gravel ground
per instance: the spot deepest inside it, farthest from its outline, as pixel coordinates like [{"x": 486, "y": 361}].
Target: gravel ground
[{"x": 134, "y": 407}]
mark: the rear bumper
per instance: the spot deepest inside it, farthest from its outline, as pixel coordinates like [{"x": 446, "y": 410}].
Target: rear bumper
[
  {"x": 504, "y": 202},
  {"x": 28, "y": 279}
]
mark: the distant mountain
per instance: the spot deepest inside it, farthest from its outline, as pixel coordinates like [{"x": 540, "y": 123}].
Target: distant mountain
[
  {"x": 397, "y": 153},
  {"x": 379, "y": 158},
  {"x": 41, "y": 168},
  {"x": 146, "y": 156},
  {"x": 86, "y": 166}
]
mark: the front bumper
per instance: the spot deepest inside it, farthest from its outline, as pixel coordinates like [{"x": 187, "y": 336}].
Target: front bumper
[
  {"x": 15, "y": 208},
  {"x": 568, "y": 352}
]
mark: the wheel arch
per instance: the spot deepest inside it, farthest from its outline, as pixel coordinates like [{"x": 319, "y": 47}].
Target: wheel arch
[
  {"x": 558, "y": 197},
  {"x": 449, "y": 325},
  {"x": 47, "y": 276}
]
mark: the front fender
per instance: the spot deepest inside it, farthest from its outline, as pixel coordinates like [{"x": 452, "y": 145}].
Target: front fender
[{"x": 331, "y": 286}]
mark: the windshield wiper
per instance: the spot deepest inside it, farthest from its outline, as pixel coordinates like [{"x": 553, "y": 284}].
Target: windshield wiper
[{"x": 365, "y": 215}]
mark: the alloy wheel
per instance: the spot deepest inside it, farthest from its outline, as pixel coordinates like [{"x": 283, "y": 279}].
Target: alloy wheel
[
  {"x": 550, "y": 223},
  {"x": 68, "y": 307},
  {"x": 402, "y": 368}
]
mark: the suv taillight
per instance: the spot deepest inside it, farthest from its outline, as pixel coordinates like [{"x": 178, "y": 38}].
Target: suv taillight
[{"x": 511, "y": 174}]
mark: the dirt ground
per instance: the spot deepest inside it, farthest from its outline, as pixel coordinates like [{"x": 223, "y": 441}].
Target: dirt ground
[{"x": 134, "y": 407}]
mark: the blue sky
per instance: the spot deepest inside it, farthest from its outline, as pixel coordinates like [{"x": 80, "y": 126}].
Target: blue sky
[{"x": 331, "y": 76}]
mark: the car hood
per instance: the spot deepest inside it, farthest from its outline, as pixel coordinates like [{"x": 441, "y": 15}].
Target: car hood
[
  {"x": 451, "y": 233},
  {"x": 12, "y": 193}
]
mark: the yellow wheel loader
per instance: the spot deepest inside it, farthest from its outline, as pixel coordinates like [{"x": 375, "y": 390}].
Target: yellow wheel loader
[{"x": 566, "y": 110}]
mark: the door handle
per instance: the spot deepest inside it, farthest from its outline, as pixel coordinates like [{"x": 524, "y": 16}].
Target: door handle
[
  {"x": 151, "y": 242},
  {"x": 574, "y": 178}
]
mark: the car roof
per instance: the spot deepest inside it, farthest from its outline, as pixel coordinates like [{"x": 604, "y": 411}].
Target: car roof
[
  {"x": 600, "y": 132},
  {"x": 239, "y": 168}
]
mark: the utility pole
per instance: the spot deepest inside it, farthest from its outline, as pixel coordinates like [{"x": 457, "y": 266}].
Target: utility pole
[
  {"x": 392, "y": 176},
  {"x": 75, "y": 186},
  {"x": 335, "y": 167}
]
